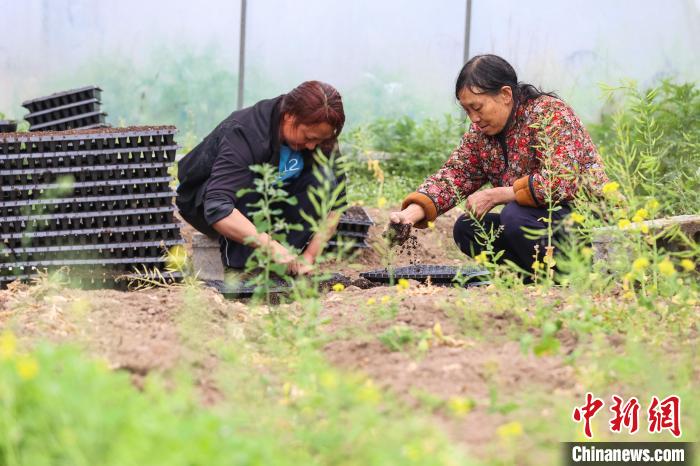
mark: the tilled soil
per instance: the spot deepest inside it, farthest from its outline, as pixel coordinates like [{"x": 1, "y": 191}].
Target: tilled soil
[{"x": 142, "y": 332}]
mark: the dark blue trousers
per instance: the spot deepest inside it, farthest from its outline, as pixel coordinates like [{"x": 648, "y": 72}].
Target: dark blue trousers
[
  {"x": 511, "y": 238},
  {"x": 234, "y": 255}
]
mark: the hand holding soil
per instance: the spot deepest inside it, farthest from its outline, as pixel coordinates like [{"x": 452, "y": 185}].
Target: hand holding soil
[{"x": 397, "y": 232}]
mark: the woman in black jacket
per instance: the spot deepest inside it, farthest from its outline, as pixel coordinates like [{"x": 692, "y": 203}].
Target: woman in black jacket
[{"x": 283, "y": 132}]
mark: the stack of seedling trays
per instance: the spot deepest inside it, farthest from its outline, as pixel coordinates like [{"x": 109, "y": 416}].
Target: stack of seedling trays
[
  {"x": 96, "y": 201},
  {"x": 77, "y": 108},
  {"x": 353, "y": 228},
  {"x": 441, "y": 275},
  {"x": 8, "y": 126}
]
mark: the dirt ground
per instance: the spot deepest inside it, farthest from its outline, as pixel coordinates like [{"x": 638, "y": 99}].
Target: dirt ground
[{"x": 141, "y": 332}]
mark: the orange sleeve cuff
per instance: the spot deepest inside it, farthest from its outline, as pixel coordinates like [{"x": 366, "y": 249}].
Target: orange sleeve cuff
[
  {"x": 426, "y": 203},
  {"x": 523, "y": 195}
]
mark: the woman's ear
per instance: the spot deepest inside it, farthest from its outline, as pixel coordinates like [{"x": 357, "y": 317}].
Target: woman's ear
[
  {"x": 507, "y": 94},
  {"x": 289, "y": 119}
]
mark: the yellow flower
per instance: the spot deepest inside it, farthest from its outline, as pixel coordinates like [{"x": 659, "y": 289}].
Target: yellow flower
[
  {"x": 338, "y": 287},
  {"x": 624, "y": 223},
  {"x": 641, "y": 214},
  {"x": 8, "y": 345},
  {"x": 369, "y": 393},
  {"x": 587, "y": 252},
  {"x": 628, "y": 295},
  {"x": 27, "y": 367},
  {"x": 437, "y": 330},
  {"x": 381, "y": 202},
  {"x": 460, "y": 406},
  {"x": 688, "y": 265},
  {"x": 536, "y": 265},
  {"x": 611, "y": 187},
  {"x": 652, "y": 204},
  {"x": 511, "y": 429},
  {"x": 328, "y": 380},
  {"x": 431, "y": 225},
  {"x": 371, "y": 301},
  {"x": 640, "y": 263},
  {"x": 403, "y": 284},
  {"x": 577, "y": 218},
  {"x": 482, "y": 258},
  {"x": 644, "y": 228},
  {"x": 666, "y": 267},
  {"x": 385, "y": 299}
]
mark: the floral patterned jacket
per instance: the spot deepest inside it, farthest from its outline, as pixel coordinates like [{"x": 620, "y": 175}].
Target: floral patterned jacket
[{"x": 545, "y": 151}]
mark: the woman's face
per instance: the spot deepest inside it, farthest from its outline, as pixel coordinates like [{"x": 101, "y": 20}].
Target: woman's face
[
  {"x": 300, "y": 136},
  {"x": 489, "y": 112}
]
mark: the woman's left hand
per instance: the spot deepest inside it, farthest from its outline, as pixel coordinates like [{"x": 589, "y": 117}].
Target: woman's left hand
[{"x": 481, "y": 202}]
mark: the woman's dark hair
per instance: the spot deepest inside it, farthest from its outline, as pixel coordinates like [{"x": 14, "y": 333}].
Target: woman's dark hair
[
  {"x": 489, "y": 73},
  {"x": 315, "y": 102}
]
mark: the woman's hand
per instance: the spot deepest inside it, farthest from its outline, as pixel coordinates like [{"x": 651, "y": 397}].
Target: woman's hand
[
  {"x": 481, "y": 202},
  {"x": 400, "y": 224}
]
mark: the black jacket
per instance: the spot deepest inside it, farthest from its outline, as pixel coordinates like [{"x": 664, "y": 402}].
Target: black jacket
[{"x": 212, "y": 173}]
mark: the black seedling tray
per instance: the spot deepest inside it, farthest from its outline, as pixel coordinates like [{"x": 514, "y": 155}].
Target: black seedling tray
[
  {"x": 9, "y": 256},
  {"x": 109, "y": 235},
  {"x": 85, "y": 204},
  {"x": 121, "y": 263},
  {"x": 245, "y": 290},
  {"x": 87, "y": 139},
  {"x": 355, "y": 219},
  {"x": 62, "y": 112},
  {"x": 88, "y": 220},
  {"x": 8, "y": 126},
  {"x": 94, "y": 173},
  {"x": 87, "y": 159},
  {"x": 74, "y": 122},
  {"x": 85, "y": 189},
  {"x": 438, "y": 274},
  {"x": 351, "y": 234},
  {"x": 63, "y": 98}
]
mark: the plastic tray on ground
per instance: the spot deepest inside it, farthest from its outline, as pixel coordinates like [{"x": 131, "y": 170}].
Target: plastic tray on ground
[
  {"x": 438, "y": 274},
  {"x": 355, "y": 219},
  {"x": 85, "y": 139},
  {"x": 64, "y": 111},
  {"x": 62, "y": 98},
  {"x": 246, "y": 290}
]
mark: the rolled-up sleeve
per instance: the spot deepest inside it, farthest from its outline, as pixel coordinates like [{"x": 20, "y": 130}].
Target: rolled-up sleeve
[{"x": 230, "y": 173}]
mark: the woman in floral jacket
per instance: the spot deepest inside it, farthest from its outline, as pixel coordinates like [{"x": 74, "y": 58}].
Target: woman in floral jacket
[{"x": 531, "y": 148}]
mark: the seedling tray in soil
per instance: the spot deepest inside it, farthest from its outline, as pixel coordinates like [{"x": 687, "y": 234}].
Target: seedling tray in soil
[
  {"x": 277, "y": 285},
  {"x": 438, "y": 274},
  {"x": 89, "y": 158},
  {"x": 59, "y": 99},
  {"x": 87, "y": 139},
  {"x": 64, "y": 111},
  {"x": 109, "y": 235},
  {"x": 355, "y": 219},
  {"x": 8, "y": 126},
  {"x": 85, "y": 204},
  {"x": 85, "y": 189}
]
